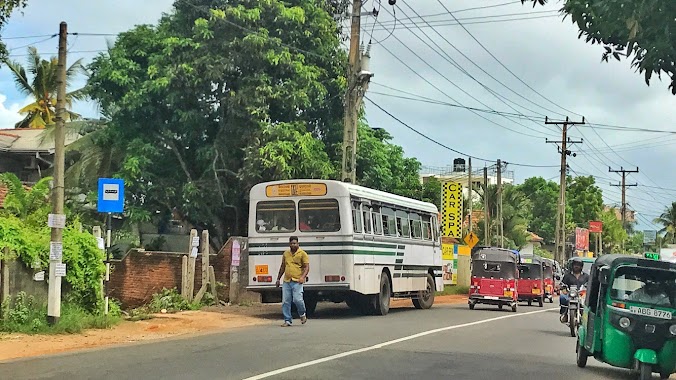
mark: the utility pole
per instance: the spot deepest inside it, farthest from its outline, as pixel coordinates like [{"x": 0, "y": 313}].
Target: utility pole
[
  {"x": 560, "y": 253},
  {"x": 358, "y": 78},
  {"x": 56, "y": 246},
  {"x": 624, "y": 186},
  {"x": 469, "y": 181},
  {"x": 500, "y": 225},
  {"x": 487, "y": 216}
]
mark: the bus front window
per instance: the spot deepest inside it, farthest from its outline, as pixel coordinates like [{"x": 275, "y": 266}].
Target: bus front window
[
  {"x": 319, "y": 215},
  {"x": 275, "y": 216}
]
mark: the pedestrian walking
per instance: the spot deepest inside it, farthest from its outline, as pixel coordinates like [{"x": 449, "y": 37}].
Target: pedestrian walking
[{"x": 295, "y": 267}]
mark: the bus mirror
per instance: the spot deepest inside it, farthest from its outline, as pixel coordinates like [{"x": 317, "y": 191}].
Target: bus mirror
[{"x": 603, "y": 275}]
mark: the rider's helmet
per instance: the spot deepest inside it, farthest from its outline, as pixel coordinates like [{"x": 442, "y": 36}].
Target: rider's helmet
[{"x": 576, "y": 262}]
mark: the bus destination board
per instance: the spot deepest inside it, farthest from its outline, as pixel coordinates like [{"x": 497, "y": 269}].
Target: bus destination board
[{"x": 296, "y": 189}]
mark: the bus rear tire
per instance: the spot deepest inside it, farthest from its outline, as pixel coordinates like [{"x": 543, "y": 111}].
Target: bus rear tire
[
  {"x": 385, "y": 296},
  {"x": 425, "y": 298},
  {"x": 310, "y": 304}
]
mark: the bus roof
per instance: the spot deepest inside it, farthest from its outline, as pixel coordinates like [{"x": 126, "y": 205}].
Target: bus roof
[{"x": 359, "y": 192}]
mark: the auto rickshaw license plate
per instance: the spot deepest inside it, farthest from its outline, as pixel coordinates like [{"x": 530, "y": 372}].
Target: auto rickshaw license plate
[
  {"x": 536, "y": 291},
  {"x": 648, "y": 312}
]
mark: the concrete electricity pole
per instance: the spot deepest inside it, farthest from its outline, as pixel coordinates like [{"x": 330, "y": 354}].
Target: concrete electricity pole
[
  {"x": 501, "y": 224},
  {"x": 560, "y": 254},
  {"x": 469, "y": 183},
  {"x": 487, "y": 216},
  {"x": 57, "y": 220},
  {"x": 624, "y": 193},
  {"x": 358, "y": 78}
]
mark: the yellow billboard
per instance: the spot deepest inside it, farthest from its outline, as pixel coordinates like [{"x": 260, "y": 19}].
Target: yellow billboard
[{"x": 451, "y": 210}]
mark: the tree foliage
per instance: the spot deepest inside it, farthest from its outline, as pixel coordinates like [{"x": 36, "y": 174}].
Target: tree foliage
[
  {"x": 613, "y": 234},
  {"x": 42, "y": 87},
  {"x": 29, "y": 204},
  {"x": 584, "y": 200},
  {"x": 7, "y": 7},
  {"x": 642, "y": 29},
  {"x": 543, "y": 196},
  {"x": 668, "y": 222}
]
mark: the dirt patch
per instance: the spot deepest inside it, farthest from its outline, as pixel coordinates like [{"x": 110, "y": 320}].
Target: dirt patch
[
  {"x": 13, "y": 346},
  {"x": 211, "y": 319}
]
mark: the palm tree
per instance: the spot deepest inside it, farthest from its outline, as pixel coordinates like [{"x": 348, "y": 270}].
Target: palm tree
[
  {"x": 668, "y": 221},
  {"x": 42, "y": 88}
]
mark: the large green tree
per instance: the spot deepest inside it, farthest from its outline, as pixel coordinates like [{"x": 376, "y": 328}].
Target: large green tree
[
  {"x": 543, "y": 196},
  {"x": 641, "y": 29},
  {"x": 613, "y": 234},
  {"x": 668, "y": 222},
  {"x": 584, "y": 199},
  {"x": 224, "y": 94}
]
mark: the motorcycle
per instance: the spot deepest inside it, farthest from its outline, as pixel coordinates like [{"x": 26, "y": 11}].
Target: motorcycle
[{"x": 574, "y": 308}]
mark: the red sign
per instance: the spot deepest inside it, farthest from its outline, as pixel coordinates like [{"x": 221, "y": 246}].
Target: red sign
[
  {"x": 582, "y": 239},
  {"x": 596, "y": 227}
]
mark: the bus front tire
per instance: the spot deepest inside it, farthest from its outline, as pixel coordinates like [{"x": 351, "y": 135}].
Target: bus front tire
[
  {"x": 425, "y": 298},
  {"x": 385, "y": 295}
]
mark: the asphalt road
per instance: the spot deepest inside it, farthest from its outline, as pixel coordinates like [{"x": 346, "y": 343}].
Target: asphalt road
[{"x": 445, "y": 342}]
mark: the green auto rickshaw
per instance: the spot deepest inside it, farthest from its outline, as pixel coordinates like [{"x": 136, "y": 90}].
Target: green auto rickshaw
[{"x": 629, "y": 318}]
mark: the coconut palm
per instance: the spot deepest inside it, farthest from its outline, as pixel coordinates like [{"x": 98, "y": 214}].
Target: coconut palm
[
  {"x": 23, "y": 202},
  {"x": 42, "y": 87},
  {"x": 668, "y": 221}
]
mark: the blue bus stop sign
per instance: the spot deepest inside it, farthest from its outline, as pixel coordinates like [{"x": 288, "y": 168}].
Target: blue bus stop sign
[{"x": 111, "y": 195}]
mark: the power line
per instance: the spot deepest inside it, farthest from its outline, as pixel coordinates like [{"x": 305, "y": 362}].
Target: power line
[
  {"x": 447, "y": 147},
  {"x": 453, "y": 23}
]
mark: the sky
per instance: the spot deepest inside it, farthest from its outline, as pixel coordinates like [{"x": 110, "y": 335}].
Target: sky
[{"x": 532, "y": 66}]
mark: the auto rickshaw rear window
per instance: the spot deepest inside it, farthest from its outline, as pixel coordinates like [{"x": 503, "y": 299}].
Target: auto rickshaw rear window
[{"x": 492, "y": 267}]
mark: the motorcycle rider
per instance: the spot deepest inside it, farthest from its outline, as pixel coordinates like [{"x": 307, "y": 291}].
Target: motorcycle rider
[{"x": 574, "y": 278}]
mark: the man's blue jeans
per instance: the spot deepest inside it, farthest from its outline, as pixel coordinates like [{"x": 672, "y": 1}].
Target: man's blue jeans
[
  {"x": 563, "y": 301},
  {"x": 292, "y": 291}
]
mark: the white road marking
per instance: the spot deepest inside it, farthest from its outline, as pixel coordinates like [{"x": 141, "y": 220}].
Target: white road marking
[{"x": 388, "y": 343}]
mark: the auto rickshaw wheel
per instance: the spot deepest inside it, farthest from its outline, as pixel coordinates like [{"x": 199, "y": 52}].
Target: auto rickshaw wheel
[
  {"x": 514, "y": 307},
  {"x": 645, "y": 371},
  {"x": 500, "y": 306},
  {"x": 664, "y": 375},
  {"x": 530, "y": 302},
  {"x": 541, "y": 302},
  {"x": 471, "y": 305},
  {"x": 582, "y": 355}
]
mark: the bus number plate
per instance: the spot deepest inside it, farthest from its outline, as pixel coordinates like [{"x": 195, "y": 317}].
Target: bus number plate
[
  {"x": 650, "y": 312},
  {"x": 261, "y": 269}
]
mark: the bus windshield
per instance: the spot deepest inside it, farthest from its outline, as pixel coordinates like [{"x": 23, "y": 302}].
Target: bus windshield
[{"x": 649, "y": 286}]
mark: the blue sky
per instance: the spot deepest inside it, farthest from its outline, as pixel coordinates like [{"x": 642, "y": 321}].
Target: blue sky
[{"x": 541, "y": 50}]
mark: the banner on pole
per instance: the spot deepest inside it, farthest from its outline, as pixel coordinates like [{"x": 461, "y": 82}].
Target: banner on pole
[
  {"x": 595, "y": 227},
  {"x": 581, "y": 239},
  {"x": 451, "y": 209}
]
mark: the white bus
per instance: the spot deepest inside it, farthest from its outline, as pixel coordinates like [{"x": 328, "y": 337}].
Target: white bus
[{"x": 365, "y": 246}]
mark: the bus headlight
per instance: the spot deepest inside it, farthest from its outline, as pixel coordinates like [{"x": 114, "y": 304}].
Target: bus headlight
[
  {"x": 626, "y": 322},
  {"x": 672, "y": 329}
]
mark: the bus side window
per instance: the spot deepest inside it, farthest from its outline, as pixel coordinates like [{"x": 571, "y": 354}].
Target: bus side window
[
  {"x": 402, "y": 224},
  {"x": 426, "y": 227},
  {"x": 435, "y": 228},
  {"x": 356, "y": 217},
  {"x": 367, "y": 219},
  {"x": 389, "y": 222},
  {"x": 416, "y": 225},
  {"x": 377, "y": 221}
]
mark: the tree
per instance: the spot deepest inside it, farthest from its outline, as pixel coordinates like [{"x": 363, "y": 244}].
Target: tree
[
  {"x": 431, "y": 191},
  {"x": 668, "y": 221},
  {"x": 641, "y": 29},
  {"x": 43, "y": 88},
  {"x": 7, "y": 7},
  {"x": 613, "y": 234},
  {"x": 585, "y": 201},
  {"x": 516, "y": 215},
  {"x": 543, "y": 196}
]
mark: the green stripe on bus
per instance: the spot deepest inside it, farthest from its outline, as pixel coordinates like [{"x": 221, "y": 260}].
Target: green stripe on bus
[{"x": 328, "y": 252}]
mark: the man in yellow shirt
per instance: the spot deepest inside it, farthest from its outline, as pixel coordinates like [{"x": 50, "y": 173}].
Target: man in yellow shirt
[{"x": 295, "y": 267}]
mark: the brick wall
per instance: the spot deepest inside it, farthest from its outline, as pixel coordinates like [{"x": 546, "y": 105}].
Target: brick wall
[{"x": 140, "y": 274}]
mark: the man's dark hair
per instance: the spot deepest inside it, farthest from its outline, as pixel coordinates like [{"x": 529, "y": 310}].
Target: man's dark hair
[{"x": 292, "y": 238}]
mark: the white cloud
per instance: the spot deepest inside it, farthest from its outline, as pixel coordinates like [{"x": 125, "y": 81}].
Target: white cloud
[{"x": 9, "y": 113}]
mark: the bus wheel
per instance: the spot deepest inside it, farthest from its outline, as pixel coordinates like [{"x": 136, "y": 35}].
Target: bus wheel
[
  {"x": 310, "y": 305},
  {"x": 383, "y": 299},
  {"x": 425, "y": 298}
]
